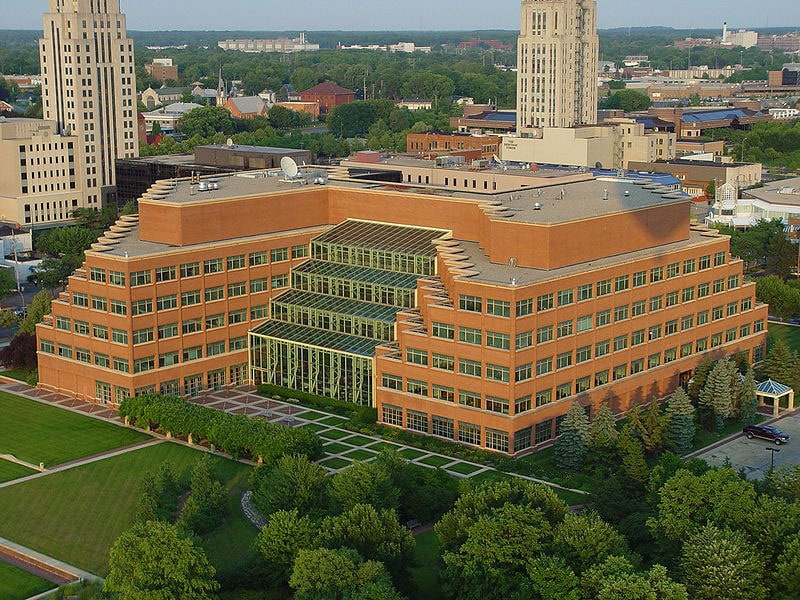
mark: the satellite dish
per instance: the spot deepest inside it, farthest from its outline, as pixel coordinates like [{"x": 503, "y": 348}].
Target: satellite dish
[
  {"x": 289, "y": 167},
  {"x": 229, "y": 143}
]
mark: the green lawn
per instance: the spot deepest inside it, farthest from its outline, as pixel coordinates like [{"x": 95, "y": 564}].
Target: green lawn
[
  {"x": 333, "y": 434},
  {"x": 11, "y": 470},
  {"x": 16, "y": 584},
  {"x": 463, "y": 468},
  {"x": 411, "y": 453},
  {"x": 332, "y": 420},
  {"x": 75, "y": 515},
  {"x": 229, "y": 546},
  {"x": 360, "y": 454},
  {"x": 314, "y": 427},
  {"x": 358, "y": 440},
  {"x": 35, "y": 432},
  {"x": 18, "y": 374},
  {"x": 788, "y": 333},
  {"x": 336, "y": 448},
  {"x": 378, "y": 446},
  {"x": 425, "y": 572},
  {"x": 435, "y": 461},
  {"x": 335, "y": 463}
]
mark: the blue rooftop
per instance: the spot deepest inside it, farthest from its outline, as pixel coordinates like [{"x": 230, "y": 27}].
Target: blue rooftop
[
  {"x": 773, "y": 387},
  {"x": 494, "y": 115},
  {"x": 717, "y": 115}
]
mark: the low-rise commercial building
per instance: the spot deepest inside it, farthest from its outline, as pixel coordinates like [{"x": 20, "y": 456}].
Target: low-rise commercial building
[
  {"x": 162, "y": 69},
  {"x": 437, "y": 143},
  {"x": 696, "y": 175}
]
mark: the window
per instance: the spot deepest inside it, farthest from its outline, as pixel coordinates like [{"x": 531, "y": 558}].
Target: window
[
  {"x": 167, "y": 330},
  {"x": 63, "y": 323},
  {"x": 672, "y": 299},
  {"x": 544, "y": 302},
  {"x": 102, "y": 391},
  {"x": 190, "y": 270},
  {"x": 702, "y": 344},
  {"x": 543, "y": 431},
  {"x": 544, "y": 334},
  {"x": 279, "y": 254},
  {"x": 544, "y": 397},
  {"x": 237, "y": 316},
  {"x": 716, "y": 313},
  {"x": 702, "y": 317},
  {"x": 703, "y": 290},
  {"x": 656, "y": 274},
  {"x": 64, "y": 351},
  {"x": 524, "y": 339},
  {"x": 620, "y": 313},
  {"x": 670, "y": 354},
  {"x": 214, "y": 321},
  {"x": 544, "y": 366},
  {"x": 656, "y": 303},
  {"x": 584, "y": 323},
  {"x": 119, "y": 336},
  {"x": 523, "y": 372},
  {"x": 732, "y": 308},
  {"x": 637, "y": 337},
  {"x": 116, "y": 278},
  {"x": 215, "y": 293},
  {"x": 522, "y": 405},
  {"x": 192, "y": 353},
  {"x": 688, "y": 294},
  {"x": 168, "y": 359},
  {"x": 393, "y": 382},
  {"x": 730, "y": 334},
  {"x": 564, "y": 360},
  {"x": 603, "y": 287},
  {"x": 442, "y": 427},
  {"x": 279, "y": 281},
  {"x": 673, "y": 270},
  {"x": 497, "y": 373},
  {"x": 258, "y": 285},
  {"x": 141, "y": 307},
  {"x": 704, "y": 262},
  {"x": 563, "y": 391},
  {"x": 96, "y": 274},
  {"x": 190, "y": 298},
  {"x": 258, "y": 258},
  {"x": 637, "y": 366},
  {"x": 497, "y": 440},
  {"x": 237, "y": 343},
  {"x": 102, "y": 360},
  {"x": 566, "y": 297},
  {"x": 688, "y": 266},
  {"x": 81, "y": 327},
  {"x": 654, "y": 332},
  {"x": 733, "y": 282},
  {"x": 260, "y": 311},
  {"x": 237, "y": 289},
  {"x": 235, "y": 262},
  {"x": 392, "y": 415},
  {"x": 758, "y": 326},
  {"x": 83, "y": 355},
  {"x": 501, "y": 341},
  {"x": 99, "y": 303},
  {"x": 621, "y": 283},
  {"x": 141, "y": 278},
  {"x": 140, "y": 365},
  {"x": 119, "y": 307},
  {"x": 620, "y": 371},
  {"x": 639, "y": 279},
  {"x": 687, "y": 322},
  {"x": 142, "y": 336},
  {"x": 79, "y": 299},
  {"x": 601, "y": 378},
  {"x": 100, "y": 332},
  {"x": 498, "y": 308},
  {"x": 638, "y": 308},
  {"x": 165, "y": 274},
  {"x": 469, "y": 367},
  {"x": 524, "y": 307},
  {"x": 744, "y": 330},
  {"x": 747, "y": 304},
  {"x": 498, "y": 405},
  {"x": 686, "y": 349},
  {"x": 620, "y": 342},
  {"x": 602, "y": 318},
  {"x": 167, "y": 302},
  {"x": 191, "y": 326},
  {"x": 585, "y": 292},
  {"x": 468, "y": 335},
  {"x": 565, "y": 328},
  {"x": 671, "y": 327},
  {"x": 121, "y": 365},
  {"x": 212, "y": 265},
  {"x": 443, "y": 392},
  {"x": 583, "y": 384},
  {"x": 469, "y": 398},
  {"x": 469, "y": 433},
  {"x": 719, "y": 286},
  {"x": 445, "y": 331},
  {"x": 602, "y": 348},
  {"x": 719, "y": 259},
  {"x": 441, "y": 361},
  {"x": 299, "y": 251},
  {"x": 470, "y": 303}
]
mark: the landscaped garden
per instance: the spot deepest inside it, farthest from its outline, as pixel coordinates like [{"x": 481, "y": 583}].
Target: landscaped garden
[
  {"x": 16, "y": 584},
  {"x": 36, "y": 432}
]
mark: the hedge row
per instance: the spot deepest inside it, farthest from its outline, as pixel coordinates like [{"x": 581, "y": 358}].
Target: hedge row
[
  {"x": 361, "y": 414},
  {"x": 237, "y": 435}
]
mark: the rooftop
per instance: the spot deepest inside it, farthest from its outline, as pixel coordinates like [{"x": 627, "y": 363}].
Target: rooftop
[
  {"x": 328, "y": 87},
  {"x": 382, "y": 236},
  {"x": 785, "y": 191}
]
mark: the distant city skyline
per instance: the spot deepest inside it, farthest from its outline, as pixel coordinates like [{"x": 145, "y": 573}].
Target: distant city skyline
[{"x": 422, "y": 15}]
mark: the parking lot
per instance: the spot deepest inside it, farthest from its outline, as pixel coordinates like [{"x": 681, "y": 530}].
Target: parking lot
[{"x": 752, "y": 455}]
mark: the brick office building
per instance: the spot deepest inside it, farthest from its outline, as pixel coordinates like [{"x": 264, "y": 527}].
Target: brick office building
[
  {"x": 439, "y": 143},
  {"x": 472, "y": 315},
  {"x": 328, "y": 95}
]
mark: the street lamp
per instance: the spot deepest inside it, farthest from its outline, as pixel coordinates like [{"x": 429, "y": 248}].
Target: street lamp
[{"x": 772, "y": 457}]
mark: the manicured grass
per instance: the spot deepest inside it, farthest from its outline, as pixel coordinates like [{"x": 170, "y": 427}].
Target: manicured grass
[
  {"x": 18, "y": 374},
  {"x": 360, "y": 454},
  {"x": 75, "y": 515},
  {"x": 490, "y": 476},
  {"x": 571, "y": 498},
  {"x": 411, "y": 453},
  {"x": 16, "y": 584},
  {"x": 705, "y": 438},
  {"x": 314, "y": 427},
  {"x": 332, "y": 420},
  {"x": 334, "y": 434},
  {"x": 336, "y": 448},
  {"x": 425, "y": 572},
  {"x": 463, "y": 468},
  {"x": 358, "y": 440},
  {"x": 788, "y": 333},
  {"x": 229, "y": 546},
  {"x": 11, "y": 470},
  {"x": 335, "y": 463},
  {"x": 35, "y": 432},
  {"x": 383, "y": 445},
  {"x": 435, "y": 461},
  {"x": 311, "y": 415}
]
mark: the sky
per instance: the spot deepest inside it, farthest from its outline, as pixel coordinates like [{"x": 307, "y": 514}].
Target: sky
[{"x": 382, "y": 15}]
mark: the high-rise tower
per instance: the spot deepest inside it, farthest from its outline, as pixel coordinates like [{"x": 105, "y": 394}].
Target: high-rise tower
[
  {"x": 557, "y": 64},
  {"x": 89, "y": 87}
]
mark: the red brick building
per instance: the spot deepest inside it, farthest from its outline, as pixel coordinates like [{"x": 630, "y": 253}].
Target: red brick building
[
  {"x": 328, "y": 94},
  {"x": 438, "y": 143}
]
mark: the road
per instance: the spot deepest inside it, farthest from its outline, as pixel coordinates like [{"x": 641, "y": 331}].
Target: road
[{"x": 28, "y": 292}]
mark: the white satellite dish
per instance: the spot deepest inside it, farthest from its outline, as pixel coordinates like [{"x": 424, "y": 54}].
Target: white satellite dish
[
  {"x": 289, "y": 167},
  {"x": 229, "y": 143}
]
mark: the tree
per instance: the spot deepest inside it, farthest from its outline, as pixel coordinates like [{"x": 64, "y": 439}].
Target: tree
[
  {"x": 552, "y": 579},
  {"x": 205, "y": 507},
  {"x": 634, "y": 464},
  {"x": 53, "y": 273},
  {"x": 720, "y": 565},
  {"x": 154, "y": 560},
  {"x": 281, "y": 117},
  {"x": 698, "y": 381},
  {"x": 280, "y": 541},
  {"x": 781, "y": 255},
  {"x": 711, "y": 189},
  {"x": 570, "y": 448},
  {"x": 717, "y": 395},
  {"x": 783, "y": 365},
  {"x": 364, "y": 483},
  {"x": 585, "y": 540},
  {"x": 292, "y": 482},
  {"x": 615, "y": 579},
  {"x": 20, "y": 352},
  {"x": 649, "y": 427},
  {"x": 748, "y": 403},
  {"x": 206, "y": 121},
  {"x": 323, "y": 574},
  {"x": 787, "y": 570},
  {"x": 680, "y": 415},
  {"x": 628, "y": 100},
  {"x": 156, "y": 130},
  {"x": 603, "y": 429},
  {"x": 38, "y": 308}
]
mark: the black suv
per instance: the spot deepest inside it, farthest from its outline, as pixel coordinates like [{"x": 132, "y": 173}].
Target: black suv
[{"x": 767, "y": 432}]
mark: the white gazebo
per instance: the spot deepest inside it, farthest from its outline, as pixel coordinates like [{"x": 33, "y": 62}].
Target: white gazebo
[{"x": 775, "y": 395}]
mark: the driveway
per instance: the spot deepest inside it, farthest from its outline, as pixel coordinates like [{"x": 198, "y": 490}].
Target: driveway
[{"x": 752, "y": 455}]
